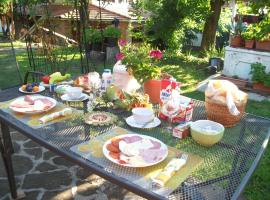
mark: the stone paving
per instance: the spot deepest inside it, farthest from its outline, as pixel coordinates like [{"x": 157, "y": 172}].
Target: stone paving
[{"x": 42, "y": 175}]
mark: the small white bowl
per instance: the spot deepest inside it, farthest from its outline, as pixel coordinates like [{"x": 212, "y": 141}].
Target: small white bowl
[
  {"x": 142, "y": 115},
  {"x": 74, "y": 92}
]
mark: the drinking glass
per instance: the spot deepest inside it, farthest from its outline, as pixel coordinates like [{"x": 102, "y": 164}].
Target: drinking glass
[
  {"x": 170, "y": 108},
  {"x": 94, "y": 82}
]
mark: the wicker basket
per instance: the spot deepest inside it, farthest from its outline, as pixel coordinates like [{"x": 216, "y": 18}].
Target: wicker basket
[{"x": 220, "y": 113}]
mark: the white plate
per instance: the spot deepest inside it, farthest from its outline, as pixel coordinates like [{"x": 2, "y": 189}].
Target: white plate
[
  {"x": 131, "y": 122},
  {"x": 22, "y": 110},
  {"x": 41, "y": 89},
  {"x": 83, "y": 97},
  {"x": 116, "y": 161}
]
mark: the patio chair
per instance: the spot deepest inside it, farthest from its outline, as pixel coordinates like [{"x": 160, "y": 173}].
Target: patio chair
[{"x": 35, "y": 75}]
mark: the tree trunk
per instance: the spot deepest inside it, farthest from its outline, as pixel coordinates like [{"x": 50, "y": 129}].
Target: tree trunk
[{"x": 211, "y": 24}]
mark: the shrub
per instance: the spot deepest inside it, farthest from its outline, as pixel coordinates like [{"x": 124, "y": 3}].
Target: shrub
[
  {"x": 258, "y": 72},
  {"x": 249, "y": 33},
  {"x": 112, "y": 32},
  {"x": 93, "y": 35}
]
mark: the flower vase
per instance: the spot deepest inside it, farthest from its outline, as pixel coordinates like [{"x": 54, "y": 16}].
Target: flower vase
[{"x": 152, "y": 88}]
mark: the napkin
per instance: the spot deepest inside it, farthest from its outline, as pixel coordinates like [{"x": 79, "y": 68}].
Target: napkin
[
  {"x": 164, "y": 176},
  {"x": 50, "y": 117}
]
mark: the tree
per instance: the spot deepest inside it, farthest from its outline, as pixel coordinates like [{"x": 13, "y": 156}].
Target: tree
[
  {"x": 5, "y": 15},
  {"x": 170, "y": 19},
  {"x": 211, "y": 24}
]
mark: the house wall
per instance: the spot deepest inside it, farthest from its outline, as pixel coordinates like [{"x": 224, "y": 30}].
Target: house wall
[{"x": 64, "y": 27}]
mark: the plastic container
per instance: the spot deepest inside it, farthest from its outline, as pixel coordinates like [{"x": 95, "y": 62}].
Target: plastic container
[{"x": 106, "y": 79}]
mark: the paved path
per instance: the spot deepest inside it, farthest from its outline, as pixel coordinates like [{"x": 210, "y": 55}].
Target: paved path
[
  {"x": 42, "y": 175},
  {"x": 251, "y": 95}
]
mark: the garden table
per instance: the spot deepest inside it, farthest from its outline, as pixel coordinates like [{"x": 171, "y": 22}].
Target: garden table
[{"x": 223, "y": 174}]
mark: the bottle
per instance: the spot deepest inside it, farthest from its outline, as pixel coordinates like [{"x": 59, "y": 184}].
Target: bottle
[{"x": 106, "y": 79}]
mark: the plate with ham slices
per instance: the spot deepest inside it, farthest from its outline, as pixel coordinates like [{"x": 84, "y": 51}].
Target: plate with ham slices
[
  {"x": 134, "y": 150},
  {"x": 32, "y": 104}
]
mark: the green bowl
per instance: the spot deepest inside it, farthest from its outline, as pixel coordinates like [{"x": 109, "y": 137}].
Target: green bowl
[{"x": 206, "y": 132}]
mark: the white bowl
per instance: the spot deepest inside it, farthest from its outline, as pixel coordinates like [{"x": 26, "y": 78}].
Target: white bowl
[
  {"x": 74, "y": 92},
  {"x": 142, "y": 115}
]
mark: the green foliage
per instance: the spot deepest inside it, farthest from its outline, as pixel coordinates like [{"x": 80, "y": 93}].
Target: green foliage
[
  {"x": 139, "y": 62},
  {"x": 266, "y": 81},
  {"x": 258, "y": 72},
  {"x": 112, "y": 32},
  {"x": 4, "y": 6},
  {"x": 249, "y": 33},
  {"x": 239, "y": 27},
  {"x": 213, "y": 52},
  {"x": 244, "y": 9},
  {"x": 263, "y": 29},
  {"x": 93, "y": 35},
  {"x": 259, "y": 4},
  {"x": 169, "y": 20}
]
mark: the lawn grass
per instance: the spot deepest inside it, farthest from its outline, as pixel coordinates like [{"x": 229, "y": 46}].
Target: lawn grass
[
  {"x": 258, "y": 187},
  {"x": 187, "y": 69}
]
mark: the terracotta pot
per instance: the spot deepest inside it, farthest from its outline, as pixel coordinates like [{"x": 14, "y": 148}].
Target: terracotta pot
[
  {"x": 261, "y": 88},
  {"x": 249, "y": 44},
  {"x": 237, "y": 41},
  {"x": 241, "y": 84},
  {"x": 263, "y": 45},
  {"x": 152, "y": 88}
]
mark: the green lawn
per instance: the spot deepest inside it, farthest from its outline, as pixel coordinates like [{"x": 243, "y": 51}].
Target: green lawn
[{"x": 187, "y": 69}]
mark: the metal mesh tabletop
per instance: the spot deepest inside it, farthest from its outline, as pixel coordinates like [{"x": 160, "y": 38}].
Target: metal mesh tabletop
[{"x": 225, "y": 170}]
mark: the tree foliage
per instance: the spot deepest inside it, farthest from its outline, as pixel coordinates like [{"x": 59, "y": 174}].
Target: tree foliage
[
  {"x": 171, "y": 20},
  {"x": 4, "y": 6}
]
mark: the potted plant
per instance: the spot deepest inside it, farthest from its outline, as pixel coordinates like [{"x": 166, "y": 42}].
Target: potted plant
[
  {"x": 94, "y": 37},
  {"x": 143, "y": 63},
  {"x": 112, "y": 35},
  {"x": 248, "y": 36},
  {"x": 236, "y": 39},
  {"x": 263, "y": 34},
  {"x": 261, "y": 80}
]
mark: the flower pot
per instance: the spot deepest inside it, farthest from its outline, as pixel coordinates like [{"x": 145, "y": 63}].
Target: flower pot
[
  {"x": 237, "y": 41},
  {"x": 96, "y": 46},
  {"x": 261, "y": 88},
  {"x": 152, "y": 88},
  {"x": 249, "y": 44},
  {"x": 216, "y": 62},
  {"x": 111, "y": 42},
  {"x": 263, "y": 45}
]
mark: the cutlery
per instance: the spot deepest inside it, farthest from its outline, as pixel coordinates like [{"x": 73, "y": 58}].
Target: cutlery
[{"x": 144, "y": 125}]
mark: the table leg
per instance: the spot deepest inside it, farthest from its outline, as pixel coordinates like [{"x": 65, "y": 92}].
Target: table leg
[{"x": 6, "y": 149}]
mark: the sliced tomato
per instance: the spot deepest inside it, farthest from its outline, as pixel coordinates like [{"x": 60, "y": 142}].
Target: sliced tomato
[
  {"x": 122, "y": 162},
  {"x": 110, "y": 147},
  {"x": 115, "y": 155},
  {"x": 115, "y": 142}
]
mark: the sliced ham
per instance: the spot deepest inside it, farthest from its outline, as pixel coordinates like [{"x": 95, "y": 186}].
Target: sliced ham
[
  {"x": 156, "y": 145},
  {"x": 28, "y": 104},
  {"x": 152, "y": 155},
  {"x": 132, "y": 139},
  {"x": 29, "y": 100},
  {"x": 47, "y": 103}
]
